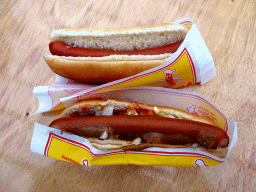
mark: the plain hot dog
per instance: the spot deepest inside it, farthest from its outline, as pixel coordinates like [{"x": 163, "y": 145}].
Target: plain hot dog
[
  {"x": 104, "y": 55},
  {"x": 133, "y": 126}
]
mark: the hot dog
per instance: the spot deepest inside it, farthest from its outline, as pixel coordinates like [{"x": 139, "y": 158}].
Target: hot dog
[
  {"x": 94, "y": 55},
  {"x": 115, "y": 124}
]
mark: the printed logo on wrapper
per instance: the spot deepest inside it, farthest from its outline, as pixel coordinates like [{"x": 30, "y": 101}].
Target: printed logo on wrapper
[
  {"x": 200, "y": 163},
  {"x": 85, "y": 162},
  {"x": 170, "y": 79},
  {"x": 192, "y": 109}
]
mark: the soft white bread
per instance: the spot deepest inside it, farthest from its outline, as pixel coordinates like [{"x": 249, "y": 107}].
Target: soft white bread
[
  {"x": 125, "y": 38},
  {"x": 110, "y": 68},
  {"x": 179, "y": 114},
  {"x": 161, "y": 111},
  {"x": 101, "y": 69},
  {"x": 95, "y": 106},
  {"x": 131, "y": 108}
]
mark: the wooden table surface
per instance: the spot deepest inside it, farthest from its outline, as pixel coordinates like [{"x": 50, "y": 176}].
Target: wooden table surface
[{"x": 228, "y": 28}]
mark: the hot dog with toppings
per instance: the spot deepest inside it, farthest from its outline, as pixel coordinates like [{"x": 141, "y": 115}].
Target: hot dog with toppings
[{"x": 115, "y": 124}]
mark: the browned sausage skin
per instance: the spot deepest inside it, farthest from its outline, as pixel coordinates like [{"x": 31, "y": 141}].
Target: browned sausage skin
[
  {"x": 164, "y": 130},
  {"x": 62, "y": 49}
]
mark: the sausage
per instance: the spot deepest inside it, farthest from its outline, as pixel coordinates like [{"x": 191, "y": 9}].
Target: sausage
[
  {"x": 207, "y": 136},
  {"x": 62, "y": 49}
]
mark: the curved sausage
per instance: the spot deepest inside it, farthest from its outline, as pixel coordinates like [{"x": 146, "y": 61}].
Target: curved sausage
[
  {"x": 208, "y": 136},
  {"x": 62, "y": 49}
]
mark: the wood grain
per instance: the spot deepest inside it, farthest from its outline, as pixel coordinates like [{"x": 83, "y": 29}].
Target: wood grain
[{"x": 228, "y": 28}]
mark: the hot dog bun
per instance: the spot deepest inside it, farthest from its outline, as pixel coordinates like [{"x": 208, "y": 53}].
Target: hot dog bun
[
  {"x": 113, "y": 124},
  {"x": 131, "y": 108},
  {"x": 113, "y": 67}
]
